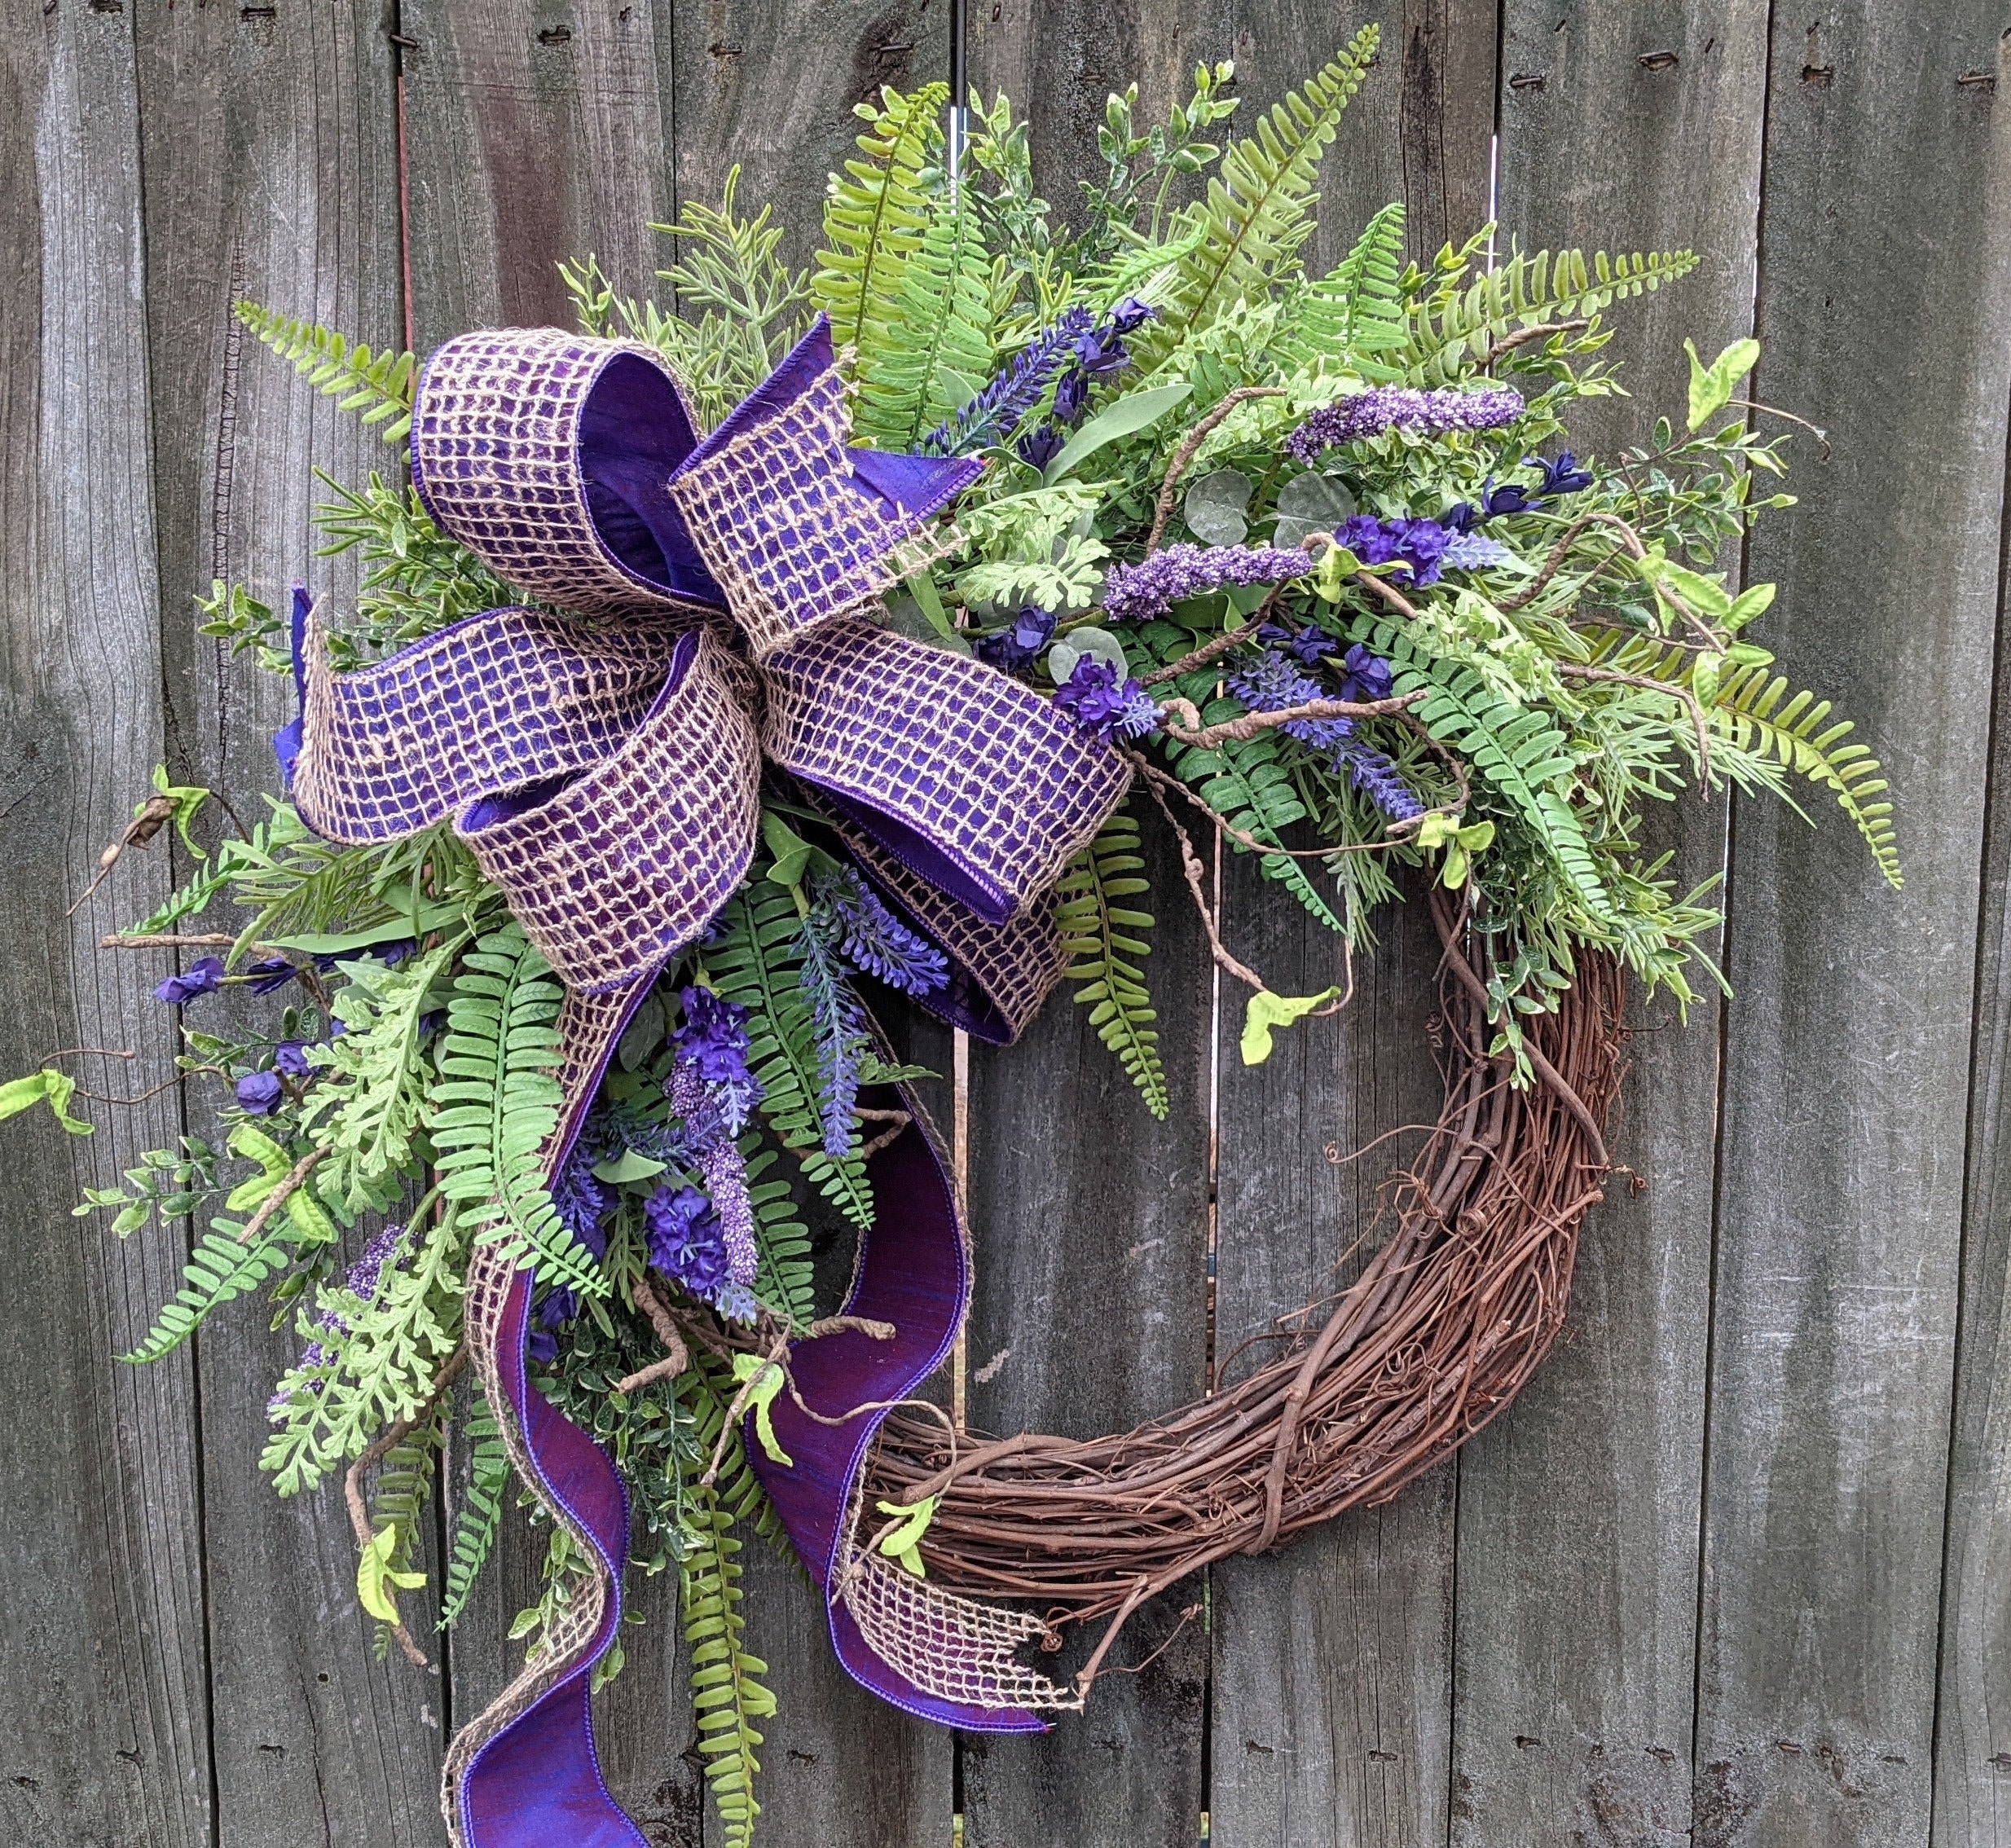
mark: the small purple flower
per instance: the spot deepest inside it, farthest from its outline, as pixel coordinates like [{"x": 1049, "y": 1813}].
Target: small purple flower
[
  {"x": 259, "y": 1092},
  {"x": 272, "y": 972},
  {"x": 1021, "y": 644},
  {"x": 1103, "y": 706},
  {"x": 582, "y": 1199},
  {"x": 1308, "y": 646},
  {"x": 1139, "y": 592},
  {"x": 203, "y": 977},
  {"x": 1040, "y": 445},
  {"x": 1564, "y": 476},
  {"x": 1474, "y": 552},
  {"x": 1072, "y": 397},
  {"x": 1129, "y": 315},
  {"x": 713, "y": 1043},
  {"x": 1415, "y": 545},
  {"x": 685, "y": 1241},
  {"x": 290, "y": 1058},
  {"x": 541, "y": 1343},
  {"x": 1365, "y": 676},
  {"x": 1433, "y": 413}
]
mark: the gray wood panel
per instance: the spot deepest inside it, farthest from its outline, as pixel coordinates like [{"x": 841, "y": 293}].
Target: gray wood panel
[
  {"x": 270, "y": 157},
  {"x": 1578, "y": 1513},
  {"x": 1840, "y": 1186},
  {"x": 104, "y": 1734},
  {"x": 1331, "y": 1715}
]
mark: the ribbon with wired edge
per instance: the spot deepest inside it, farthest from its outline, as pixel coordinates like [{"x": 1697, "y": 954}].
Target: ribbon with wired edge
[{"x": 603, "y": 767}]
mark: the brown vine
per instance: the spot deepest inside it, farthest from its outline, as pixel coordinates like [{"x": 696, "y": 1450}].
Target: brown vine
[{"x": 1365, "y": 1391}]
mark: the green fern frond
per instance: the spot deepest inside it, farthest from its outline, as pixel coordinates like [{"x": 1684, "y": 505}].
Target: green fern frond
[
  {"x": 496, "y": 1103},
  {"x": 875, "y": 217},
  {"x": 757, "y": 964},
  {"x": 943, "y": 352},
  {"x": 219, "y": 1271},
  {"x": 1455, "y": 327},
  {"x": 1355, "y": 310},
  {"x": 786, "y": 1280},
  {"x": 481, "y": 1512},
  {"x": 379, "y": 384},
  {"x": 727, "y": 1690},
  {"x": 1256, "y": 212},
  {"x": 1105, "y": 941}
]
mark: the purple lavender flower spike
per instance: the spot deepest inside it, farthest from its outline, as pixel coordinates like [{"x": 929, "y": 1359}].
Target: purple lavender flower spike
[
  {"x": 1139, "y": 592},
  {"x": 876, "y": 942},
  {"x": 1273, "y": 684},
  {"x": 999, "y": 409},
  {"x": 1474, "y": 552},
  {"x": 1105, "y": 707},
  {"x": 723, "y": 1167},
  {"x": 1432, "y": 413}
]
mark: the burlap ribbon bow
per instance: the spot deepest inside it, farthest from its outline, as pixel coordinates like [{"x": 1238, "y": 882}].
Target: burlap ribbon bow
[{"x": 603, "y": 767}]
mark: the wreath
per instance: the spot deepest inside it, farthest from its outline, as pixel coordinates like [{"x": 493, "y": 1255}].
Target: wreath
[{"x": 712, "y": 668}]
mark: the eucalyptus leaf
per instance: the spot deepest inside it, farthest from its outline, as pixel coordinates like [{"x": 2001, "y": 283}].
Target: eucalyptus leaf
[
  {"x": 1310, "y": 503},
  {"x": 1215, "y": 507},
  {"x": 1098, "y": 645}
]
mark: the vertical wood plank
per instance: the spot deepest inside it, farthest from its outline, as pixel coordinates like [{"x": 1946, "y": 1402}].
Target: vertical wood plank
[
  {"x": 1579, "y": 1511},
  {"x": 103, "y": 1731},
  {"x": 534, "y": 135},
  {"x": 271, "y": 166},
  {"x": 1847, "y": 1050},
  {"x": 1331, "y": 1698},
  {"x": 769, "y": 88},
  {"x": 1973, "y": 1745}
]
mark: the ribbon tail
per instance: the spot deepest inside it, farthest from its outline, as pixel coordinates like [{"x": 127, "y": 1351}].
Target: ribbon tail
[
  {"x": 931, "y": 1653},
  {"x": 525, "y": 1773}
]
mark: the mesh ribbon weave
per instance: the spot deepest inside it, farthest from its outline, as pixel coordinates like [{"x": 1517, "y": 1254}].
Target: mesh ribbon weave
[{"x": 605, "y": 776}]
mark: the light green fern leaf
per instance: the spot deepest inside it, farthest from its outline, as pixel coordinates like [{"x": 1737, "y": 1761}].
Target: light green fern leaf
[
  {"x": 496, "y": 1103},
  {"x": 1105, "y": 941},
  {"x": 727, "y": 1690},
  {"x": 944, "y": 347},
  {"x": 1356, "y": 309},
  {"x": 1454, "y": 326},
  {"x": 1256, "y": 212},
  {"x": 379, "y": 384},
  {"x": 875, "y": 217},
  {"x": 481, "y": 1512},
  {"x": 786, "y": 1280}
]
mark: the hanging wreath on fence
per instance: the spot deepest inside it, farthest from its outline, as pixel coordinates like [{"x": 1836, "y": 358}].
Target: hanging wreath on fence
[{"x": 711, "y": 665}]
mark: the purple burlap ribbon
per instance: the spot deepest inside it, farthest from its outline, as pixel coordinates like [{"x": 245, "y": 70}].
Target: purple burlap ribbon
[{"x": 603, "y": 767}]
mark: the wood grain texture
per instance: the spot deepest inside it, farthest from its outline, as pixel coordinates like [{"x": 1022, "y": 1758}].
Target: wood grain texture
[
  {"x": 1330, "y": 1698},
  {"x": 271, "y": 166},
  {"x": 1578, "y": 1513},
  {"x": 534, "y": 135},
  {"x": 1090, "y": 1225},
  {"x": 1840, "y": 1189},
  {"x": 104, "y": 1734},
  {"x": 1331, "y": 1707}
]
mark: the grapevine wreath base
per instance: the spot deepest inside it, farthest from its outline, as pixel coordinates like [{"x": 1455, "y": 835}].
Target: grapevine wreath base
[{"x": 1436, "y": 1335}]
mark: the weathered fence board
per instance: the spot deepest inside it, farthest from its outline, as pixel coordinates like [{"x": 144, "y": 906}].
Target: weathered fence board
[
  {"x": 1840, "y": 1183},
  {"x": 1578, "y": 1516},
  {"x": 1331, "y": 1709},
  {"x": 103, "y": 1721},
  {"x": 1761, "y": 1406}
]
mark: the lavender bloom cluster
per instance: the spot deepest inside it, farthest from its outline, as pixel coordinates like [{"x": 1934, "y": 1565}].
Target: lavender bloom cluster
[
  {"x": 1387, "y": 408},
  {"x": 1105, "y": 707},
  {"x": 875, "y": 942},
  {"x": 1273, "y": 683},
  {"x": 1139, "y": 592},
  {"x": 999, "y": 409}
]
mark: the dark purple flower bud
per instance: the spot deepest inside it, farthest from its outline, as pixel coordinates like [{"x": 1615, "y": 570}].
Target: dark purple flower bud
[
  {"x": 542, "y": 1346},
  {"x": 1129, "y": 315},
  {"x": 203, "y": 977},
  {"x": 1017, "y": 646},
  {"x": 260, "y": 1092},
  {"x": 290, "y": 1057},
  {"x": 1309, "y": 645},
  {"x": 1461, "y": 518},
  {"x": 1366, "y": 676},
  {"x": 272, "y": 972},
  {"x": 1511, "y": 497},
  {"x": 1072, "y": 397},
  {"x": 998, "y": 409},
  {"x": 1040, "y": 445},
  {"x": 1564, "y": 476}
]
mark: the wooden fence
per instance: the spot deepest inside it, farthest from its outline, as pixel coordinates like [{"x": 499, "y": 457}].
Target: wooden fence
[{"x": 1736, "y": 1569}]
